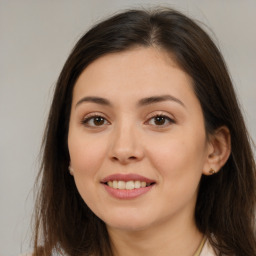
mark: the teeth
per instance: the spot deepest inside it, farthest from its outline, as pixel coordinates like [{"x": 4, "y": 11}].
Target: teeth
[
  {"x": 114, "y": 184},
  {"x": 143, "y": 184},
  {"x": 129, "y": 185},
  {"x": 137, "y": 184},
  {"x": 120, "y": 184}
]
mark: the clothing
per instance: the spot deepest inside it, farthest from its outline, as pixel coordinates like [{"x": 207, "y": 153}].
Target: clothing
[
  {"x": 199, "y": 249},
  {"x": 207, "y": 250}
]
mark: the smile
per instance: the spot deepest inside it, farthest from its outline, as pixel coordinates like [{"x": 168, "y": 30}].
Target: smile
[{"x": 127, "y": 186}]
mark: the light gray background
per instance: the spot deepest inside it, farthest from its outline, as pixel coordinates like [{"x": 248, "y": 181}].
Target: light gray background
[{"x": 35, "y": 40}]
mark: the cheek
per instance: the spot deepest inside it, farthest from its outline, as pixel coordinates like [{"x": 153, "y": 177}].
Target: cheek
[
  {"x": 86, "y": 154},
  {"x": 178, "y": 155}
]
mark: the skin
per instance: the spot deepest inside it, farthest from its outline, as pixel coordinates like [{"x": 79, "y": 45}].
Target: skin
[{"x": 128, "y": 139}]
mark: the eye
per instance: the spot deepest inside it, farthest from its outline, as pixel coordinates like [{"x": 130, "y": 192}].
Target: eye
[
  {"x": 94, "y": 121},
  {"x": 160, "y": 120}
]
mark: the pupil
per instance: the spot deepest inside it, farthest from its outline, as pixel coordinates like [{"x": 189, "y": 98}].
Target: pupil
[
  {"x": 159, "y": 120},
  {"x": 98, "y": 120}
]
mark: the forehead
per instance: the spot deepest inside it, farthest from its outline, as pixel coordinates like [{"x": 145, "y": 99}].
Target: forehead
[{"x": 132, "y": 72}]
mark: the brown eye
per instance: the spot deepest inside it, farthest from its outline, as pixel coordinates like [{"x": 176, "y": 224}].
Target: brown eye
[
  {"x": 95, "y": 121},
  {"x": 160, "y": 120},
  {"x": 98, "y": 120}
]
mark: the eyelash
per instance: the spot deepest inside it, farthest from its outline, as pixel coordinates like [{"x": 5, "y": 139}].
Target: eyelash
[
  {"x": 92, "y": 117},
  {"x": 165, "y": 117}
]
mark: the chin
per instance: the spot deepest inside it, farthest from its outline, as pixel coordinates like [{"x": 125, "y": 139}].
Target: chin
[
  {"x": 127, "y": 222},
  {"x": 127, "y": 226}
]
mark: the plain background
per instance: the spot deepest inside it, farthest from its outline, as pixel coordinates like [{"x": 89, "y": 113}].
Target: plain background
[{"x": 35, "y": 40}]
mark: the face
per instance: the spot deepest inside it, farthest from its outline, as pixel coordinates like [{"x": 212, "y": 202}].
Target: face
[{"x": 137, "y": 140}]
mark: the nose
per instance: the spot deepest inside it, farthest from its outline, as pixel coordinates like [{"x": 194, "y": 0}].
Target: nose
[{"x": 126, "y": 146}]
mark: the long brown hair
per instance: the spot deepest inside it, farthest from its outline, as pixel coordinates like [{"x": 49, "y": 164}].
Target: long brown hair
[{"x": 225, "y": 208}]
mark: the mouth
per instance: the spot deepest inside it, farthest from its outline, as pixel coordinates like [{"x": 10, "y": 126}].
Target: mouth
[{"x": 127, "y": 185}]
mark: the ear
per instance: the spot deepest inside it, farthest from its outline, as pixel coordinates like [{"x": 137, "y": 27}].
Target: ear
[
  {"x": 71, "y": 171},
  {"x": 219, "y": 148}
]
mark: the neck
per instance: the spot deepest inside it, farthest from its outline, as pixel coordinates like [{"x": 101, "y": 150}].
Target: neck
[{"x": 168, "y": 238}]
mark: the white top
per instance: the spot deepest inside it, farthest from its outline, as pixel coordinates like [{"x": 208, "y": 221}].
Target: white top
[{"x": 206, "y": 251}]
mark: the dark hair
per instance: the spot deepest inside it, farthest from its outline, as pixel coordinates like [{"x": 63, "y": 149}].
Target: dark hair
[{"x": 226, "y": 201}]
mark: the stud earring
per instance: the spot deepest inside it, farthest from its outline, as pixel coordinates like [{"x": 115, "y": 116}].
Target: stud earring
[
  {"x": 71, "y": 171},
  {"x": 212, "y": 171}
]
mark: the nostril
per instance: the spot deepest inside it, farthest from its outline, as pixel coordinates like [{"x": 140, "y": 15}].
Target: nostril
[
  {"x": 115, "y": 158},
  {"x": 124, "y": 159}
]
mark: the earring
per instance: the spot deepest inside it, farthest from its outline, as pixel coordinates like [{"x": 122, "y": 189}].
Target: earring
[
  {"x": 212, "y": 171},
  {"x": 71, "y": 171}
]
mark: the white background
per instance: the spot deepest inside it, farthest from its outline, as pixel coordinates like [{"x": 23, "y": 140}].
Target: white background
[{"x": 35, "y": 40}]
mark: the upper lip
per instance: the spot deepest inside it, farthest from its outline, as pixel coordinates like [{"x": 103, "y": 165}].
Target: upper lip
[{"x": 126, "y": 177}]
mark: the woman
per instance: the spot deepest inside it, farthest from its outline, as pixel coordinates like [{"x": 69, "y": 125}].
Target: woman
[{"x": 145, "y": 150}]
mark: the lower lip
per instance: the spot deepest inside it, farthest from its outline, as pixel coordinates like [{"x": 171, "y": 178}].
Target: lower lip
[{"x": 126, "y": 193}]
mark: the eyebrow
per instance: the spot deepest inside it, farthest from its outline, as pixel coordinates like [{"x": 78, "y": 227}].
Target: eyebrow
[
  {"x": 97, "y": 100},
  {"x": 141, "y": 102},
  {"x": 156, "y": 99}
]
